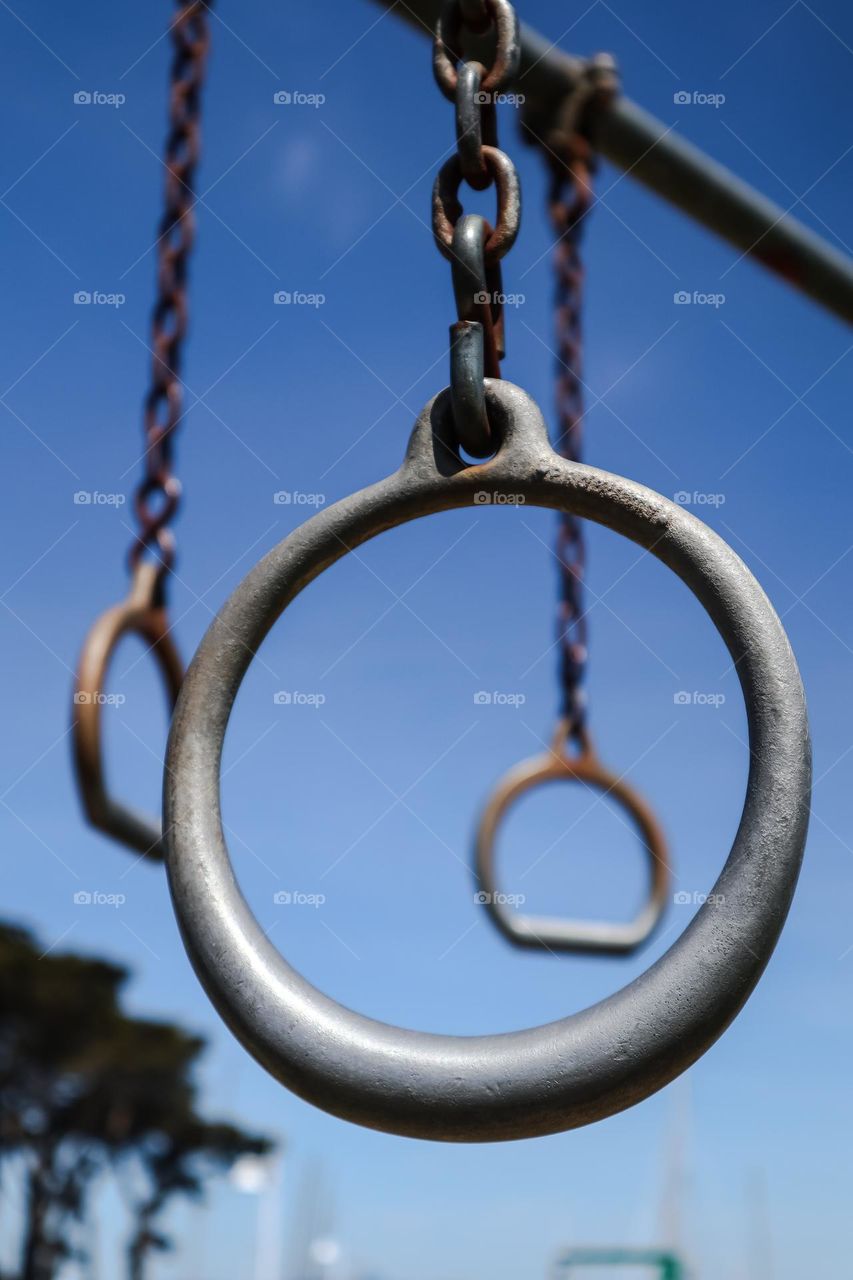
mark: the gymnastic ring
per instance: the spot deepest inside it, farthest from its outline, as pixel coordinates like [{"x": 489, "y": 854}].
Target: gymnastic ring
[
  {"x": 553, "y": 933},
  {"x": 141, "y": 614},
  {"x": 590, "y": 1064}
]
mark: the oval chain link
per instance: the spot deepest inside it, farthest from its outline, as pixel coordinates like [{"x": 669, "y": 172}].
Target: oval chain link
[{"x": 158, "y": 495}]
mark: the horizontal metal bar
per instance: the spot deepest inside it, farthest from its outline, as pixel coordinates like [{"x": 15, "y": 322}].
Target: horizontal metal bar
[{"x": 673, "y": 168}]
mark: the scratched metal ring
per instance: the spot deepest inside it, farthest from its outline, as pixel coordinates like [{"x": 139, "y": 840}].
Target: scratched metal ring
[
  {"x": 143, "y": 615},
  {"x": 552, "y": 933},
  {"x": 590, "y": 1064}
]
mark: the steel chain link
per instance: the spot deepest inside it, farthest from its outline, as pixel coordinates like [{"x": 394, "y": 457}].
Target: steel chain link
[{"x": 473, "y": 246}]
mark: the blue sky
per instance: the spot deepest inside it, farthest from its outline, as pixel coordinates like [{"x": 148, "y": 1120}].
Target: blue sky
[{"x": 748, "y": 401}]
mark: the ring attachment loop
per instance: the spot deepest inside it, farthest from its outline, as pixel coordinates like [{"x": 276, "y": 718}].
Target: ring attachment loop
[
  {"x": 570, "y": 935},
  {"x": 142, "y": 614},
  {"x": 467, "y": 388}
]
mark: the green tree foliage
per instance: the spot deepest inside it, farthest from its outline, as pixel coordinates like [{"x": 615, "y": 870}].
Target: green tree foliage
[{"x": 86, "y": 1088}]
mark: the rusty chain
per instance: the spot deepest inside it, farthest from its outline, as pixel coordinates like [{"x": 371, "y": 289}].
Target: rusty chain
[
  {"x": 570, "y": 158},
  {"x": 473, "y": 246},
  {"x": 152, "y": 552},
  {"x": 158, "y": 495}
]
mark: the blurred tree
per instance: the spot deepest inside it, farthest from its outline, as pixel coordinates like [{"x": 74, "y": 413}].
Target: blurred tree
[
  {"x": 179, "y": 1166},
  {"x": 84, "y": 1088}
]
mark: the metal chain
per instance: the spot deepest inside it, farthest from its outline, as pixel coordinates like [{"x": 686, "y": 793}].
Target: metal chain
[
  {"x": 571, "y": 162},
  {"x": 472, "y": 245},
  {"x": 158, "y": 495}
]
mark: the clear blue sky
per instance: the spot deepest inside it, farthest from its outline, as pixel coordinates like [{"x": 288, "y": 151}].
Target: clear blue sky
[{"x": 749, "y": 400}]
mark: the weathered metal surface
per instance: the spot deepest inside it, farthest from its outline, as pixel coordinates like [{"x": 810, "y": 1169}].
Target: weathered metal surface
[
  {"x": 446, "y": 209},
  {"x": 449, "y": 21},
  {"x": 553, "y": 933},
  {"x": 595, "y": 1062},
  {"x": 141, "y": 614}
]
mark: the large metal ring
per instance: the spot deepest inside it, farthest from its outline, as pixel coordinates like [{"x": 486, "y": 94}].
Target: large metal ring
[
  {"x": 141, "y": 614},
  {"x": 590, "y": 1064},
  {"x": 555, "y": 934}
]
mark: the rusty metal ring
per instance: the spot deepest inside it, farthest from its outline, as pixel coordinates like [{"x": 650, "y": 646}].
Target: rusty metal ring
[
  {"x": 141, "y": 614},
  {"x": 554, "y": 934},
  {"x": 446, "y": 209},
  {"x": 445, "y": 49},
  {"x": 583, "y": 1067}
]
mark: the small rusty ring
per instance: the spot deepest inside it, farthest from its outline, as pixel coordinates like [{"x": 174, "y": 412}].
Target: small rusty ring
[
  {"x": 554, "y": 934},
  {"x": 448, "y": 31},
  {"x": 141, "y": 614},
  {"x": 590, "y": 1064},
  {"x": 446, "y": 209}
]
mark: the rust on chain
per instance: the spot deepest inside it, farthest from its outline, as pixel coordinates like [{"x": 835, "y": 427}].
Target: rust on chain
[
  {"x": 158, "y": 495},
  {"x": 569, "y": 154},
  {"x": 447, "y": 210},
  {"x": 447, "y": 46}
]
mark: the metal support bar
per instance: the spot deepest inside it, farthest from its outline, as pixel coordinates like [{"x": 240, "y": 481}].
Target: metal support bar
[{"x": 667, "y": 164}]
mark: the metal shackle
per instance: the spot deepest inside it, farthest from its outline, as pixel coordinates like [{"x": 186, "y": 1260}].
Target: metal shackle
[{"x": 590, "y": 1064}]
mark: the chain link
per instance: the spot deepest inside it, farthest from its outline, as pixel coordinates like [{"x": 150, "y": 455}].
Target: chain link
[
  {"x": 473, "y": 247},
  {"x": 158, "y": 495}
]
